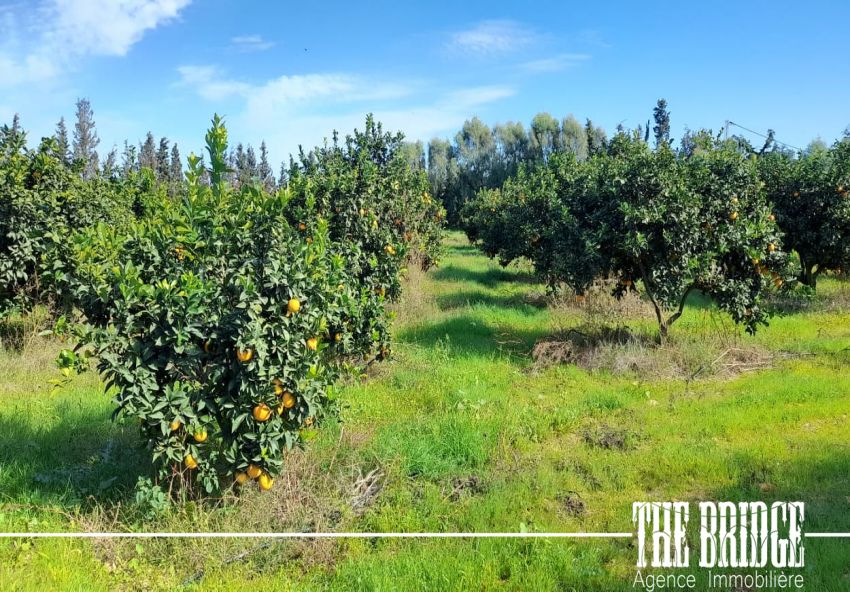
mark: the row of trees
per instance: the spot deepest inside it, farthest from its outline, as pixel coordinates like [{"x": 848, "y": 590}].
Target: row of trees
[
  {"x": 480, "y": 157},
  {"x": 715, "y": 215},
  {"x": 221, "y": 314},
  {"x": 79, "y": 151}
]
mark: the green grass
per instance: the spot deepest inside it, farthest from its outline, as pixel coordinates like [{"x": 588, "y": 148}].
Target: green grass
[{"x": 467, "y": 434}]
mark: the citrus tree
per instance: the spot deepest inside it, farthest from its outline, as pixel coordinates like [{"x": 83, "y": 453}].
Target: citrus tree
[
  {"x": 811, "y": 197},
  {"x": 378, "y": 208},
  {"x": 42, "y": 202},
  {"x": 674, "y": 225},
  {"x": 222, "y": 319},
  {"x": 679, "y": 226}
]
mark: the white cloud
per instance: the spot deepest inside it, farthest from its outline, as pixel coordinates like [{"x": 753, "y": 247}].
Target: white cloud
[
  {"x": 294, "y": 110},
  {"x": 208, "y": 82},
  {"x": 490, "y": 38},
  {"x": 248, "y": 43},
  {"x": 555, "y": 64},
  {"x": 47, "y": 38}
]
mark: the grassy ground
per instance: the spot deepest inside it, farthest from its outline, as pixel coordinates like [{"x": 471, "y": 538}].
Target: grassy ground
[{"x": 462, "y": 431}]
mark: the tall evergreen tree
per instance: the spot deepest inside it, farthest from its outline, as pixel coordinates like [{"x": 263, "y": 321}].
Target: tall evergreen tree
[
  {"x": 264, "y": 171},
  {"x": 129, "y": 161},
  {"x": 251, "y": 162},
  {"x": 162, "y": 160},
  {"x": 596, "y": 138},
  {"x": 238, "y": 165},
  {"x": 147, "y": 153},
  {"x": 175, "y": 170},
  {"x": 110, "y": 165},
  {"x": 662, "y": 124},
  {"x": 86, "y": 139},
  {"x": 63, "y": 144}
]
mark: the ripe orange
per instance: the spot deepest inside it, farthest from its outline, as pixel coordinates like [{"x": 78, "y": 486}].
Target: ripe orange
[
  {"x": 175, "y": 425},
  {"x": 278, "y": 387},
  {"x": 288, "y": 401},
  {"x": 293, "y": 306},
  {"x": 302, "y": 227},
  {"x": 200, "y": 436},
  {"x": 190, "y": 462},
  {"x": 254, "y": 471},
  {"x": 390, "y": 249},
  {"x": 772, "y": 218},
  {"x": 266, "y": 482},
  {"x": 771, "y": 247},
  {"x": 207, "y": 346},
  {"x": 241, "y": 477},
  {"x": 244, "y": 355},
  {"x": 733, "y": 216},
  {"x": 262, "y": 412},
  {"x": 313, "y": 343},
  {"x": 337, "y": 337}
]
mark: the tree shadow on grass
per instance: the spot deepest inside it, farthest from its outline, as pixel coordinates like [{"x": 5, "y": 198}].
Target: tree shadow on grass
[
  {"x": 467, "y": 298},
  {"x": 85, "y": 456},
  {"x": 820, "y": 478},
  {"x": 489, "y": 278},
  {"x": 470, "y": 335}
]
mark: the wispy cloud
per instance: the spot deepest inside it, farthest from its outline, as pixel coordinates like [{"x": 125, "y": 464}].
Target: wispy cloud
[
  {"x": 555, "y": 63},
  {"x": 210, "y": 84},
  {"x": 492, "y": 38},
  {"x": 250, "y": 43},
  {"x": 304, "y": 109},
  {"x": 59, "y": 32}
]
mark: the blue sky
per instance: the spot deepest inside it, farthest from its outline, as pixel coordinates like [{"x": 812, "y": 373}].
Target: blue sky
[{"x": 290, "y": 73}]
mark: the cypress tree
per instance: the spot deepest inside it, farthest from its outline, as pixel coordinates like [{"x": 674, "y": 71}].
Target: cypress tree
[
  {"x": 86, "y": 140},
  {"x": 63, "y": 145},
  {"x": 162, "y": 163}
]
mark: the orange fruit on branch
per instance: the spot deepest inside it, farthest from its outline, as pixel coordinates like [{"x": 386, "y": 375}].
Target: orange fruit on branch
[
  {"x": 262, "y": 412},
  {"x": 190, "y": 462},
  {"x": 244, "y": 355},
  {"x": 266, "y": 482},
  {"x": 293, "y": 306}
]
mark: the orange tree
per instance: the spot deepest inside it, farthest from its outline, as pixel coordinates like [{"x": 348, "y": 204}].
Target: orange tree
[
  {"x": 378, "y": 209},
  {"x": 677, "y": 226},
  {"x": 811, "y": 197},
  {"x": 41, "y": 203},
  {"x": 530, "y": 217},
  {"x": 223, "y": 319}
]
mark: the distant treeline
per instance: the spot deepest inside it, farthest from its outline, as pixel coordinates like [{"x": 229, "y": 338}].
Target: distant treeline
[{"x": 480, "y": 157}]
